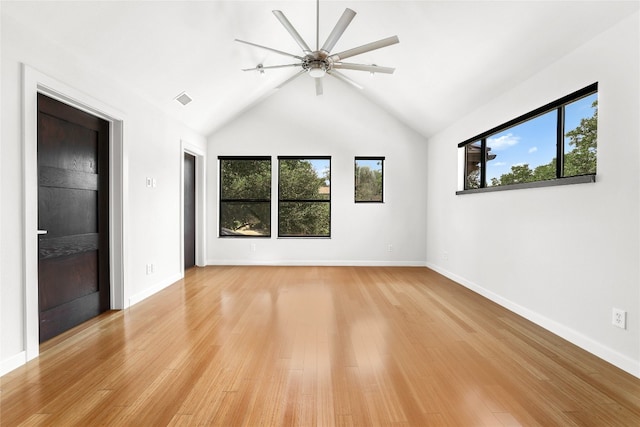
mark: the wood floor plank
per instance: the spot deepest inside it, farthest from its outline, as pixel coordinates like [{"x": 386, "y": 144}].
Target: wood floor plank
[{"x": 307, "y": 346}]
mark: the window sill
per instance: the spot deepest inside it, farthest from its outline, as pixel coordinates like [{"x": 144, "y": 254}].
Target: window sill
[
  {"x": 582, "y": 179},
  {"x": 305, "y": 237}
]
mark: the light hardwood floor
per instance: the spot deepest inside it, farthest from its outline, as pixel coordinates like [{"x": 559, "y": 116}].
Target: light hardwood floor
[{"x": 313, "y": 346}]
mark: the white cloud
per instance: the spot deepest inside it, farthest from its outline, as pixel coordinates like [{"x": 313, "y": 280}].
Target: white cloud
[
  {"x": 497, "y": 163},
  {"x": 504, "y": 141},
  {"x": 533, "y": 150}
]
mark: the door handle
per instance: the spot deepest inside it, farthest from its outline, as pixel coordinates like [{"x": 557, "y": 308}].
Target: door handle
[{"x": 41, "y": 232}]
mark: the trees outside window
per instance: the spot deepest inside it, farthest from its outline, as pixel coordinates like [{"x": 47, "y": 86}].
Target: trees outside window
[
  {"x": 369, "y": 179},
  {"x": 304, "y": 196},
  {"x": 553, "y": 142},
  {"x": 245, "y": 197}
]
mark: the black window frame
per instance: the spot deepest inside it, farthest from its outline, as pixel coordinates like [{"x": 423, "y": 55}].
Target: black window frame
[
  {"x": 281, "y": 200},
  {"x": 355, "y": 178},
  {"x": 248, "y": 201},
  {"x": 557, "y": 105}
]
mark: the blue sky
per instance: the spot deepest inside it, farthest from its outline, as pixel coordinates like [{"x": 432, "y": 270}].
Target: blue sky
[
  {"x": 371, "y": 164},
  {"x": 320, "y": 166},
  {"x": 533, "y": 142}
]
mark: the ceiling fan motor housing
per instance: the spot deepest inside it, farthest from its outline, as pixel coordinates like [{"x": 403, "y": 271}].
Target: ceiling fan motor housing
[{"x": 315, "y": 65}]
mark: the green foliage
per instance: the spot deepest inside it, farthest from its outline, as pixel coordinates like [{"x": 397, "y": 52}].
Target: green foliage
[
  {"x": 580, "y": 160},
  {"x": 245, "y": 195},
  {"x": 246, "y": 218},
  {"x": 584, "y": 140},
  {"x": 368, "y": 184},
  {"x": 304, "y": 219},
  {"x": 299, "y": 212},
  {"x": 545, "y": 172},
  {"x": 473, "y": 179},
  {"x": 246, "y": 179},
  {"x": 298, "y": 180}
]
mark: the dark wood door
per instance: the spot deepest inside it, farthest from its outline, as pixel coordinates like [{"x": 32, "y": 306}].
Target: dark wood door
[
  {"x": 73, "y": 209},
  {"x": 189, "y": 210}
]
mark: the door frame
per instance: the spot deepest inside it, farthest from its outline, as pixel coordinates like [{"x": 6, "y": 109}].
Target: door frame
[
  {"x": 34, "y": 82},
  {"x": 200, "y": 155}
]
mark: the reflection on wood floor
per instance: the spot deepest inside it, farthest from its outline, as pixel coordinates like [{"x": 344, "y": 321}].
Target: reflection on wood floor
[{"x": 321, "y": 346}]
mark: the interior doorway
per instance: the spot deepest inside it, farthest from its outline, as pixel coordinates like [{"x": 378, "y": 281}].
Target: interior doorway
[
  {"x": 189, "y": 211},
  {"x": 192, "y": 204}
]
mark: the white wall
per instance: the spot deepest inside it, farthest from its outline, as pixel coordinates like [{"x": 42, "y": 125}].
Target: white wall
[
  {"x": 152, "y": 148},
  {"x": 561, "y": 256},
  {"x": 341, "y": 124}
]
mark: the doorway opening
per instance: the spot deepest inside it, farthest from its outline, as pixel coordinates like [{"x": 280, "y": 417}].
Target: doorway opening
[{"x": 193, "y": 187}]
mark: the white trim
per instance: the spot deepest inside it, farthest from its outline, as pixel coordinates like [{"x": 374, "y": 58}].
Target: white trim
[
  {"x": 615, "y": 358},
  {"x": 13, "y": 362},
  {"x": 201, "y": 232},
  {"x": 34, "y": 82},
  {"x": 317, "y": 263},
  {"x": 153, "y": 289}
]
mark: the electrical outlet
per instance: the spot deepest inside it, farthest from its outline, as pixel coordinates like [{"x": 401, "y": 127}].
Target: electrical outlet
[
  {"x": 253, "y": 247},
  {"x": 445, "y": 255},
  {"x": 390, "y": 248},
  {"x": 619, "y": 318}
]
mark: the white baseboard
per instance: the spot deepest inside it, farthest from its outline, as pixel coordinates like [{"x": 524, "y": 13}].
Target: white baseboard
[
  {"x": 13, "y": 362},
  {"x": 317, "y": 263},
  {"x": 586, "y": 343},
  {"x": 154, "y": 289}
]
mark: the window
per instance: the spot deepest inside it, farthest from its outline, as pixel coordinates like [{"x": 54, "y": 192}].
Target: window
[
  {"x": 547, "y": 146},
  {"x": 245, "y": 196},
  {"x": 368, "y": 179},
  {"x": 304, "y": 196}
]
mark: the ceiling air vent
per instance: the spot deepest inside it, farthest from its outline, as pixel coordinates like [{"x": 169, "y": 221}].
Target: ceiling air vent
[{"x": 183, "y": 98}]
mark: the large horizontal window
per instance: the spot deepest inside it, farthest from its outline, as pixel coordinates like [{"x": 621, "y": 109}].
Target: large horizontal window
[
  {"x": 245, "y": 196},
  {"x": 552, "y": 143},
  {"x": 304, "y": 196}
]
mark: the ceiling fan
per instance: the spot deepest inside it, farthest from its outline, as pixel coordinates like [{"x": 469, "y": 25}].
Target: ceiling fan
[{"x": 321, "y": 61}]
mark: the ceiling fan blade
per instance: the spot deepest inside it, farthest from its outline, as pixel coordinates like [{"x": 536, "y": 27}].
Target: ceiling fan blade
[
  {"x": 271, "y": 49},
  {"x": 318, "y": 86},
  {"x": 363, "y": 67},
  {"x": 287, "y": 25},
  {"x": 337, "y": 31},
  {"x": 364, "y": 48},
  {"x": 290, "y": 79},
  {"x": 271, "y": 67},
  {"x": 340, "y": 76}
]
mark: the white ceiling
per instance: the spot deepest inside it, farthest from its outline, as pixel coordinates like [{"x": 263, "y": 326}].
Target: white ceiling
[{"x": 452, "y": 57}]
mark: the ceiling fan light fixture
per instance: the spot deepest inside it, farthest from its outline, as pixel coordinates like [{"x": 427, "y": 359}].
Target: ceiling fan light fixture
[{"x": 317, "y": 73}]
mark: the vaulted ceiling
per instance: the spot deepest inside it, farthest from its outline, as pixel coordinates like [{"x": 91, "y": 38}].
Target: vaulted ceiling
[{"x": 452, "y": 57}]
